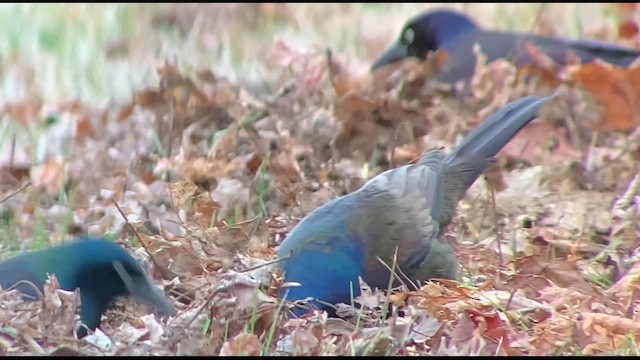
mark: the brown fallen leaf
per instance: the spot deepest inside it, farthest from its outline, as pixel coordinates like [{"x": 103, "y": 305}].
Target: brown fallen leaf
[
  {"x": 627, "y": 284},
  {"x": 243, "y": 344},
  {"x": 370, "y": 120},
  {"x": 58, "y": 317},
  {"x": 542, "y": 65},
  {"x": 627, "y": 27},
  {"x": 284, "y": 167},
  {"x": 50, "y": 176},
  {"x": 479, "y": 333},
  {"x": 546, "y": 240},
  {"x": 420, "y": 73},
  {"x": 541, "y": 142},
  {"x": 562, "y": 272},
  {"x": 494, "y": 83},
  {"x": 24, "y": 112},
  {"x": 186, "y": 101},
  {"x": 615, "y": 324},
  {"x": 355, "y": 114},
  {"x": 615, "y": 90},
  {"x": 345, "y": 79},
  {"x": 309, "y": 66}
]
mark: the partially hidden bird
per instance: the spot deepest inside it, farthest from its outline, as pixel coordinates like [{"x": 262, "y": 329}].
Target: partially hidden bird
[
  {"x": 403, "y": 211},
  {"x": 101, "y": 269},
  {"x": 456, "y": 35}
]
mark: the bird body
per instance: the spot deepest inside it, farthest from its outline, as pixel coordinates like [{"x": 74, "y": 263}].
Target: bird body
[
  {"x": 402, "y": 211},
  {"x": 456, "y": 34},
  {"x": 101, "y": 270}
]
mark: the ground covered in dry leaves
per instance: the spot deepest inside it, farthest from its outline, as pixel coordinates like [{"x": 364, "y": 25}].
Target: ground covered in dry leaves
[{"x": 202, "y": 181}]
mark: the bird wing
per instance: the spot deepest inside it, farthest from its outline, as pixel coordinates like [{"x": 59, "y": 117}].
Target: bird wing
[
  {"x": 558, "y": 49},
  {"x": 614, "y": 54},
  {"x": 396, "y": 211},
  {"x": 513, "y": 46},
  {"x": 18, "y": 274}
]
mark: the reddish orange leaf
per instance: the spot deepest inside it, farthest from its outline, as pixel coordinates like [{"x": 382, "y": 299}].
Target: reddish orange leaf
[
  {"x": 542, "y": 65},
  {"x": 495, "y": 328},
  {"x": 23, "y": 112},
  {"x": 345, "y": 79},
  {"x": 49, "y": 176},
  {"x": 627, "y": 29},
  {"x": 83, "y": 128},
  {"x": 614, "y": 89},
  {"x": 12, "y": 173},
  {"x": 149, "y": 98},
  {"x": 125, "y": 113},
  {"x": 253, "y": 164}
]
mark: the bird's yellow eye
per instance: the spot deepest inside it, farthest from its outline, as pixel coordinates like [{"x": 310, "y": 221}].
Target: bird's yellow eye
[{"x": 408, "y": 36}]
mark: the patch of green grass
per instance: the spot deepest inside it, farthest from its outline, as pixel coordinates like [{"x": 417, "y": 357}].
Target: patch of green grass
[
  {"x": 207, "y": 326},
  {"x": 67, "y": 199},
  {"x": 62, "y": 51},
  {"x": 113, "y": 237},
  {"x": 40, "y": 234},
  {"x": 271, "y": 337},
  {"x": 602, "y": 279},
  {"x": 629, "y": 347},
  {"x": 255, "y": 313},
  {"x": 263, "y": 185},
  {"x": 8, "y": 232}
]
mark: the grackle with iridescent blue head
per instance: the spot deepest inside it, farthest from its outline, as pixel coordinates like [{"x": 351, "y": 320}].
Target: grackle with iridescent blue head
[
  {"x": 405, "y": 209},
  {"x": 101, "y": 270},
  {"x": 457, "y": 34}
]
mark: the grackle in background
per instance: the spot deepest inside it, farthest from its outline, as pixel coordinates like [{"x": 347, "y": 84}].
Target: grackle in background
[
  {"x": 407, "y": 208},
  {"x": 101, "y": 270},
  {"x": 456, "y": 34}
]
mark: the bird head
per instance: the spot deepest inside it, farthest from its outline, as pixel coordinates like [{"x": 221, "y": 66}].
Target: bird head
[
  {"x": 106, "y": 271},
  {"x": 426, "y": 32}
]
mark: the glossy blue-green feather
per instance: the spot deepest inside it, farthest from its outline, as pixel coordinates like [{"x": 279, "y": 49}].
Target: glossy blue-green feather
[
  {"x": 101, "y": 270},
  {"x": 402, "y": 211}
]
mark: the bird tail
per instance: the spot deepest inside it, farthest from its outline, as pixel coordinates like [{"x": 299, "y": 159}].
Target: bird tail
[
  {"x": 476, "y": 152},
  {"x": 611, "y": 53}
]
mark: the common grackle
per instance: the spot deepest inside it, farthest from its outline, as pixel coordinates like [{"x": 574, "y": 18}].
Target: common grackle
[
  {"x": 407, "y": 208},
  {"x": 457, "y": 34},
  {"x": 101, "y": 270}
]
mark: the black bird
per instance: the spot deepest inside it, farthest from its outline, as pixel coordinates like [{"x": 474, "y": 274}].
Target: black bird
[
  {"x": 101, "y": 270},
  {"x": 456, "y": 34},
  {"x": 407, "y": 208}
]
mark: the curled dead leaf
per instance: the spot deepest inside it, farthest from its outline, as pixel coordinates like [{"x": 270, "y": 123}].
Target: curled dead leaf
[
  {"x": 563, "y": 272},
  {"x": 243, "y": 344},
  {"x": 346, "y": 78},
  {"x": 50, "y": 176},
  {"x": 387, "y": 120},
  {"x": 479, "y": 333},
  {"x": 614, "y": 89},
  {"x": 355, "y": 114},
  {"x": 60, "y": 309},
  {"x": 615, "y": 324}
]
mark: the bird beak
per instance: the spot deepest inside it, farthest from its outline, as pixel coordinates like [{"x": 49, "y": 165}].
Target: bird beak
[
  {"x": 395, "y": 52},
  {"x": 155, "y": 297},
  {"x": 142, "y": 288}
]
